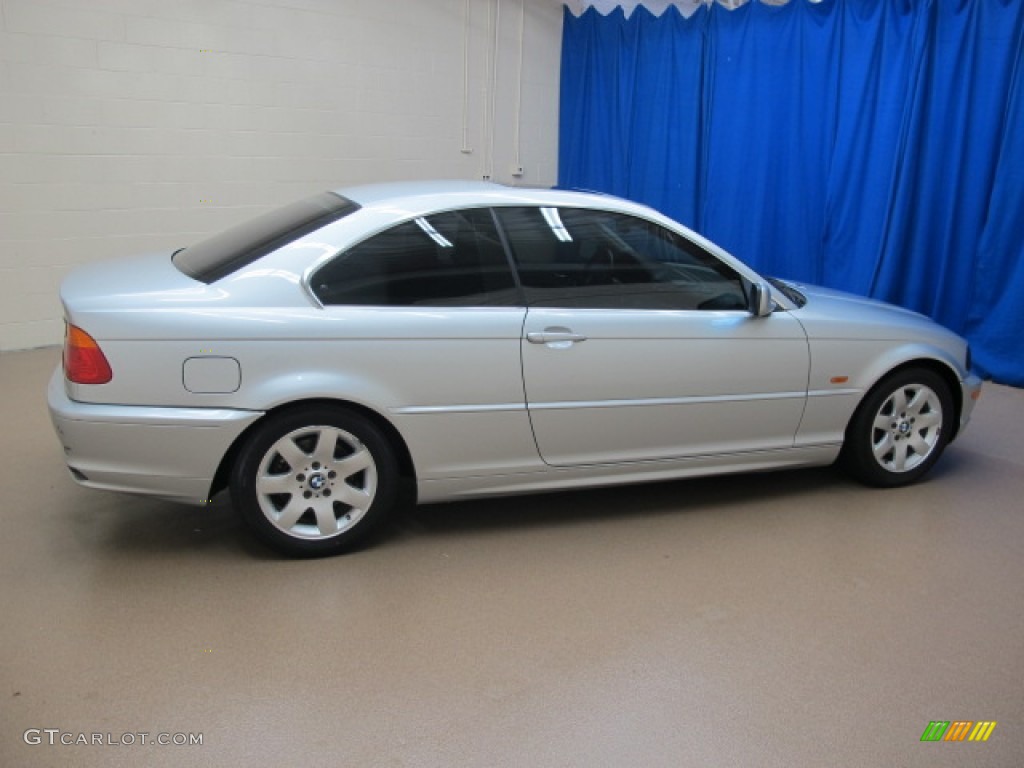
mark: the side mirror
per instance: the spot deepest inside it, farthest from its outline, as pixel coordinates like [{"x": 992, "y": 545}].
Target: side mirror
[{"x": 760, "y": 299}]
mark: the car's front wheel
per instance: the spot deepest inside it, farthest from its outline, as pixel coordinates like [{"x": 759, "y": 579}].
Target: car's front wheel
[
  {"x": 900, "y": 429},
  {"x": 315, "y": 481}
]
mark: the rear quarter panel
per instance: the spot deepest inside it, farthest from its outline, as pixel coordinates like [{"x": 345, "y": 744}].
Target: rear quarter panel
[{"x": 449, "y": 380}]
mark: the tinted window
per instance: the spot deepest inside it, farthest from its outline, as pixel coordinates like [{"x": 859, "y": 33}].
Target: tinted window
[
  {"x": 220, "y": 255},
  {"x": 569, "y": 257},
  {"x": 448, "y": 259}
]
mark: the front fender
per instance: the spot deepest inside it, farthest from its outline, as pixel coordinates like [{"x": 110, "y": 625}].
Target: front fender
[{"x": 843, "y": 371}]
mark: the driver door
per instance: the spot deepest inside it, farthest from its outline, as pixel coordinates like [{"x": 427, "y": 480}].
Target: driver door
[{"x": 638, "y": 344}]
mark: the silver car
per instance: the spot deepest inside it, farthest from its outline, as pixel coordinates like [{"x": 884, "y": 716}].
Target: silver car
[{"x": 466, "y": 339}]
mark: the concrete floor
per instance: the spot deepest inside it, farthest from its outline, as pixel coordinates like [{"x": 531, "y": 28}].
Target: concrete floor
[{"x": 792, "y": 620}]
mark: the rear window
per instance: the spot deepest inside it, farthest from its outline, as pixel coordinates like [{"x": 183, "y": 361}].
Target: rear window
[{"x": 216, "y": 257}]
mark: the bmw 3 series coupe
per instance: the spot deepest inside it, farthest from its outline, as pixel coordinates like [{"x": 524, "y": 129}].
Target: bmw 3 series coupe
[{"x": 465, "y": 339}]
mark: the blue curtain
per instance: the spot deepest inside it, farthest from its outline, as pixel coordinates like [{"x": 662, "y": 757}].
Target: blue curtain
[{"x": 875, "y": 146}]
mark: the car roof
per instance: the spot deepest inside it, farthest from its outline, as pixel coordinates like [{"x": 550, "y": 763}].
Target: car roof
[{"x": 421, "y": 196}]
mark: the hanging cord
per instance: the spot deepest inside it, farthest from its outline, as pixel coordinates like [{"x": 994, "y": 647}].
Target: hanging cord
[
  {"x": 517, "y": 160},
  {"x": 465, "y": 149},
  {"x": 493, "y": 95}
]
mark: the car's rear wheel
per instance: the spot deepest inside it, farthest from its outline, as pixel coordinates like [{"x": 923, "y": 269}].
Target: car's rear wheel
[
  {"x": 315, "y": 481},
  {"x": 900, "y": 429}
]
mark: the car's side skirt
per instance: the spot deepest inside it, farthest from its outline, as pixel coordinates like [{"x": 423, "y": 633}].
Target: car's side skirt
[{"x": 590, "y": 476}]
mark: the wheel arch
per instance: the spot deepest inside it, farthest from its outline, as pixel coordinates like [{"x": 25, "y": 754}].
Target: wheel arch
[
  {"x": 937, "y": 366},
  {"x": 407, "y": 467}
]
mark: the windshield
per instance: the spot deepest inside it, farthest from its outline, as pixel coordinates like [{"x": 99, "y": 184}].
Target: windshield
[{"x": 211, "y": 259}]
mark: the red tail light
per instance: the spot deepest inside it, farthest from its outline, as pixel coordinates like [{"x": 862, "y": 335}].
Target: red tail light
[{"x": 84, "y": 361}]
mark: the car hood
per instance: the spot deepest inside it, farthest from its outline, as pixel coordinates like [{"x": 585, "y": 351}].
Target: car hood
[{"x": 836, "y": 314}]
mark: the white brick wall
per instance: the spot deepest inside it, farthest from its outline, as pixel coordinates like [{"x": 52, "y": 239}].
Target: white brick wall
[{"x": 136, "y": 125}]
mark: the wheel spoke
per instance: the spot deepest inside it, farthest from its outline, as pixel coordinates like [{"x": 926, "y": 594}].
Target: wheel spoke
[
  {"x": 291, "y": 513},
  {"x": 928, "y": 420},
  {"x": 882, "y": 448},
  {"x": 883, "y": 422},
  {"x": 920, "y": 445},
  {"x": 291, "y": 453},
  {"x": 326, "y": 522},
  {"x": 326, "y": 441},
  {"x": 899, "y": 401},
  {"x": 271, "y": 484},
  {"x": 356, "y": 498},
  {"x": 899, "y": 455},
  {"x": 351, "y": 465},
  {"x": 919, "y": 401}
]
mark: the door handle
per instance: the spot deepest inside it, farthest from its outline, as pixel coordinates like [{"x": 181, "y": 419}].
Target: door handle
[{"x": 563, "y": 337}]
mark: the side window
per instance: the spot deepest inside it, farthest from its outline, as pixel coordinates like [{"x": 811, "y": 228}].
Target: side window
[
  {"x": 445, "y": 260},
  {"x": 569, "y": 257}
]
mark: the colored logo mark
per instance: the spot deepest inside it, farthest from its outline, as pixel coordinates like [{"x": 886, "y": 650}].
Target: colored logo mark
[{"x": 958, "y": 730}]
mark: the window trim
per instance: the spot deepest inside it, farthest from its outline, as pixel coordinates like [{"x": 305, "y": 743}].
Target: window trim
[{"x": 307, "y": 278}]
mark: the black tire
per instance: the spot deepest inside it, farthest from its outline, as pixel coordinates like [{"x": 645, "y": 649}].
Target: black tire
[
  {"x": 315, "y": 481},
  {"x": 900, "y": 429}
]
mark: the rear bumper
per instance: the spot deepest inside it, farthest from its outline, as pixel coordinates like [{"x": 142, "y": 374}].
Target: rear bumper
[{"x": 171, "y": 453}]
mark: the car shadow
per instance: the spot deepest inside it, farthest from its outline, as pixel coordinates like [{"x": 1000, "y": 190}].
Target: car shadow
[
  {"x": 117, "y": 524},
  {"x": 566, "y": 508}
]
